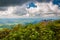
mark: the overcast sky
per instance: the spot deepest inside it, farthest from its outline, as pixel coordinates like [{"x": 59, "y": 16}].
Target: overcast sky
[{"x": 18, "y": 8}]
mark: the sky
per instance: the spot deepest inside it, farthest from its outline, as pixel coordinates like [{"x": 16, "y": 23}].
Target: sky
[{"x": 29, "y": 8}]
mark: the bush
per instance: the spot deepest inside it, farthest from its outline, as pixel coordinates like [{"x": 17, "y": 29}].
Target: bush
[{"x": 40, "y": 31}]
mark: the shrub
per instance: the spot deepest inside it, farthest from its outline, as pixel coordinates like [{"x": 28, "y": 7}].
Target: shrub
[{"x": 41, "y": 31}]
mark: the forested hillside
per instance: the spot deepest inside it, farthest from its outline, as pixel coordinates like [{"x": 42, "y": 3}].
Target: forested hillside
[{"x": 45, "y": 30}]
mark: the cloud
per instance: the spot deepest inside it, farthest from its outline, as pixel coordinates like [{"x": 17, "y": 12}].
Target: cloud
[
  {"x": 6, "y": 3},
  {"x": 12, "y": 2},
  {"x": 21, "y": 2},
  {"x": 42, "y": 10},
  {"x": 20, "y": 10},
  {"x": 43, "y": 0},
  {"x": 3, "y": 8}
]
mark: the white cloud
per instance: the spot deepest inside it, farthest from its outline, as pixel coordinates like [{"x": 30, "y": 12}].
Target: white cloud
[{"x": 42, "y": 10}]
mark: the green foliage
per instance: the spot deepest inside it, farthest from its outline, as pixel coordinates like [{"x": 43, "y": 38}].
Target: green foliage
[{"x": 49, "y": 30}]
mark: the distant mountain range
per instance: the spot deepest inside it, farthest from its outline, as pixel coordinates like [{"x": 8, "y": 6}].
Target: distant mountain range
[
  {"x": 11, "y": 22},
  {"x": 24, "y": 20}
]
